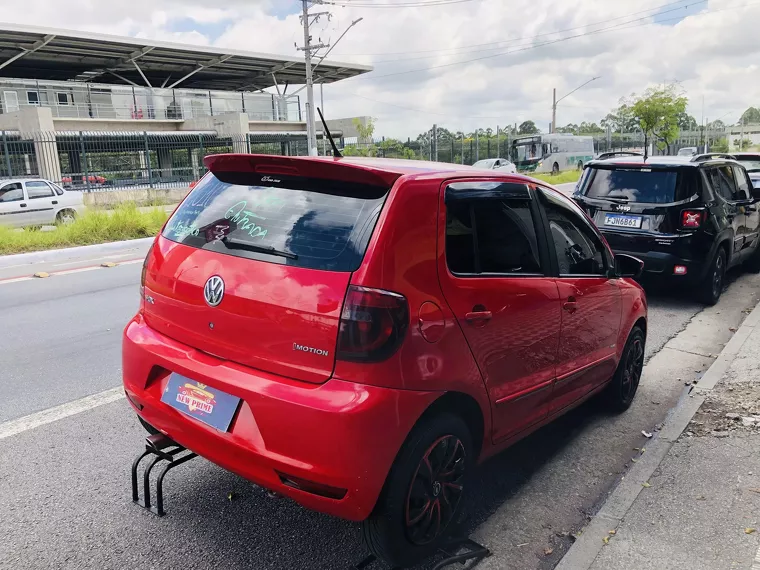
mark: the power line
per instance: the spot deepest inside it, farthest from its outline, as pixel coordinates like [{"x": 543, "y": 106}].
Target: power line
[
  {"x": 439, "y": 50},
  {"x": 534, "y": 46},
  {"x": 408, "y": 4}
]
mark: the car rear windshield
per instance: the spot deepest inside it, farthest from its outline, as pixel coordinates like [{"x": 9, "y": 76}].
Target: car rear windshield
[
  {"x": 311, "y": 223},
  {"x": 640, "y": 185}
]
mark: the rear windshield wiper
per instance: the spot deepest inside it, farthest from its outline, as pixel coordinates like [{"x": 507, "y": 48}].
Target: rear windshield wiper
[{"x": 232, "y": 243}]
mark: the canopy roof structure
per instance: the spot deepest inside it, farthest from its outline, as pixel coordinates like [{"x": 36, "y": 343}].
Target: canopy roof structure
[{"x": 61, "y": 55}]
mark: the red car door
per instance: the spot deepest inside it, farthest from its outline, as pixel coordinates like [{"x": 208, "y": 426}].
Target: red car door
[
  {"x": 591, "y": 302},
  {"x": 493, "y": 273}
]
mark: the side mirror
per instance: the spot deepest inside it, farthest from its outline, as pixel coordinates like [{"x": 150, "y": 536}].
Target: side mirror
[{"x": 628, "y": 266}]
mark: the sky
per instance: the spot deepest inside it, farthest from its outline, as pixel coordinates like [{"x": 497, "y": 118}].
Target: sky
[{"x": 469, "y": 64}]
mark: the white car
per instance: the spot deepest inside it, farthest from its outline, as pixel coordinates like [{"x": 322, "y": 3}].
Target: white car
[
  {"x": 496, "y": 164},
  {"x": 36, "y": 202}
]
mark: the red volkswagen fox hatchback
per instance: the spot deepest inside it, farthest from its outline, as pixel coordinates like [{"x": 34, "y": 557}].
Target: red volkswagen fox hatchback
[{"x": 357, "y": 334}]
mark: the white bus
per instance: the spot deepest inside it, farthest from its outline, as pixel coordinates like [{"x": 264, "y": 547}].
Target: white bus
[{"x": 551, "y": 153}]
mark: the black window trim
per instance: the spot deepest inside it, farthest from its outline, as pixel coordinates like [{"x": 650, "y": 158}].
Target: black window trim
[
  {"x": 608, "y": 259},
  {"x": 502, "y": 191}
]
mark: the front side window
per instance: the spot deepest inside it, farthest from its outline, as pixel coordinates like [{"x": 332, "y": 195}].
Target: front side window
[
  {"x": 11, "y": 192},
  {"x": 38, "y": 190},
  {"x": 491, "y": 237},
  {"x": 579, "y": 250},
  {"x": 743, "y": 186}
]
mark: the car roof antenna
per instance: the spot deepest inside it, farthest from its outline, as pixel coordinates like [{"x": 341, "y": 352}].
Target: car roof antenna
[{"x": 336, "y": 152}]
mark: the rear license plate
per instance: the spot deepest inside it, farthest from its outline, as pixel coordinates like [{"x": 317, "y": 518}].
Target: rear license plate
[
  {"x": 204, "y": 403},
  {"x": 621, "y": 221}
]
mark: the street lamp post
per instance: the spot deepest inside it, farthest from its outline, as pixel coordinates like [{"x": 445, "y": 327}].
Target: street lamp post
[{"x": 555, "y": 101}]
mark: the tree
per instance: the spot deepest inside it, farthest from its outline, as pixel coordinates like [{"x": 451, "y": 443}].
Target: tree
[
  {"x": 687, "y": 123},
  {"x": 657, "y": 112},
  {"x": 620, "y": 119},
  {"x": 715, "y": 125},
  {"x": 721, "y": 145},
  {"x": 571, "y": 129},
  {"x": 742, "y": 144},
  {"x": 750, "y": 116},
  {"x": 528, "y": 128},
  {"x": 366, "y": 132},
  {"x": 589, "y": 129}
]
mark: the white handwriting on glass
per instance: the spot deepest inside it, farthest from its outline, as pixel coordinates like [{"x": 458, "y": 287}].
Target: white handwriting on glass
[
  {"x": 245, "y": 219},
  {"x": 181, "y": 230}
]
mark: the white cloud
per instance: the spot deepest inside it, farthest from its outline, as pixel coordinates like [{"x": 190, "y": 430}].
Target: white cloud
[{"x": 714, "y": 53}]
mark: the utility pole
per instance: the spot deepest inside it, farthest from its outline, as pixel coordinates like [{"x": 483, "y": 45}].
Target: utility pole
[
  {"x": 322, "y": 106},
  {"x": 554, "y": 111},
  {"x": 435, "y": 143},
  {"x": 555, "y": 101},
  {"x": 308, "y": 49}
]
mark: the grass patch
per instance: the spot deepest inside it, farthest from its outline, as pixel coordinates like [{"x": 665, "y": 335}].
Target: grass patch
[
  {"x": 122, "y": 223},
  {"x": 561, "y": 178}
]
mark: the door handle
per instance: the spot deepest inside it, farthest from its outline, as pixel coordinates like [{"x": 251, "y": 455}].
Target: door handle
[
  {"x": 55, "y": 201},
  {"x": 571, "y": 305},
  {"x": 478, "y": 316},
  {"x": 22, "y": 205}
]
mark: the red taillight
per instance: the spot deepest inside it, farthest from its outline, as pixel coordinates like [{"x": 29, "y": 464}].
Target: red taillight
[
  {"x": 144, "y": 271},
  {"x": 372, "y": 325},
  {"x": 692, "y": 219}
]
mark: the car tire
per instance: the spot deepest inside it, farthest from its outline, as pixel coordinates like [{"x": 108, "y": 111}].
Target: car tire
[
  {"x": 149, "y": 428},
  {"x": 555, "y": 169},
  {"x": 65, "y": 217},
  {"x": 427, "y": 480},
  {"x": 711, "y": 287},
  {"x": 621, "y": 391}
]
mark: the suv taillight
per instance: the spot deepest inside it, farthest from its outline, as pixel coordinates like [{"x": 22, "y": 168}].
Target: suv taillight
[
  {"x": 372, "y": 325},
  {"x": 693, "y": 219},
  {"x": 144, "y": 271}
]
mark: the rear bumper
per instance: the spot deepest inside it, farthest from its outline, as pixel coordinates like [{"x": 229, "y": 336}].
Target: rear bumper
[
  {"x": 659, "y": 265},
  {"x": 661, "y": 254},
  {"x": 339, "y": 434}
]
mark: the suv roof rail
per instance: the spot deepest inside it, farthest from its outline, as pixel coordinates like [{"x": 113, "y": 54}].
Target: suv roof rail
[
  {"x": 711, "y": 155},
  {"x": 611, "y": 154}
]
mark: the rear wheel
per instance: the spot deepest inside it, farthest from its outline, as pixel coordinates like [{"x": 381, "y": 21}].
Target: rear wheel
[
  {"x": 65, "y": 217},
  {"x": 555, "y": 169},
  {"x": 711, "y": 288},
  {"x": 621, "y": 391},
  {"x": 423, "y": 496}
]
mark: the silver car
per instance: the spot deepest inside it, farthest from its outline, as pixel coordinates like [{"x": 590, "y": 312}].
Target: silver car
[
  {"x": 501, "y": 164},
  {"x": 36, "y": 202}
]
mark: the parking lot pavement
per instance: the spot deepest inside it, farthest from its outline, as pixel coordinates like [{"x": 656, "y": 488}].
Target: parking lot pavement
[{"x": 65, "y": 496}]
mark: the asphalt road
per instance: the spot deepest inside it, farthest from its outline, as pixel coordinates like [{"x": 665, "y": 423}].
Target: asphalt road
[{"x": 65, "y": 487}]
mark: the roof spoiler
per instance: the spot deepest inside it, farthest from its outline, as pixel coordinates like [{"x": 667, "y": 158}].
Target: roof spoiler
[{"x": 229, "y": 167}]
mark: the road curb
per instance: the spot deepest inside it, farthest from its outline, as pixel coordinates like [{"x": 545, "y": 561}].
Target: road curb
[
  {"x": 69, "y": 252},
  {"x": 589, "y": 544}
]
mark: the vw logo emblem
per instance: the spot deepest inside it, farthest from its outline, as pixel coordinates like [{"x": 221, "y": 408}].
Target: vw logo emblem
[{"x": 213, "y": 291}]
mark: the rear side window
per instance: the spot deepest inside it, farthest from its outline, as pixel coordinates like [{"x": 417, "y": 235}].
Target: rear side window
[
  {"x": 491, "y": 236},
  {"x": 722, "y": 179},
  {"x": 311, "y": 223},
  {"x": 11, "y": 192},
  {"x": 640, "y": 185}
]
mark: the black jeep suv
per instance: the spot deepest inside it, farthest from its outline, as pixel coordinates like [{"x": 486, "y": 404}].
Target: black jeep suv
[{"x": 688, "y": 219}]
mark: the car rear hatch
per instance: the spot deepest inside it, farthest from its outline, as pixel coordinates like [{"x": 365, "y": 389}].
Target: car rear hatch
[
  {"x": 633, "y": 202},
  {"x": 254, "y": 265}
]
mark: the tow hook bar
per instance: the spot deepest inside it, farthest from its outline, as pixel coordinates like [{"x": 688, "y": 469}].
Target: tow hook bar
[{"x": 161, "y": 448}]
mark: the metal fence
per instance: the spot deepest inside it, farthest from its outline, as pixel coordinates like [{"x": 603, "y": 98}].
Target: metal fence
[{"x": 100, "y": 161}]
